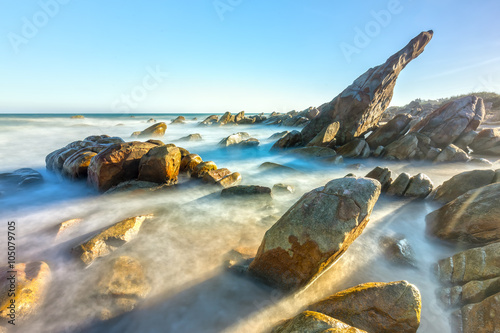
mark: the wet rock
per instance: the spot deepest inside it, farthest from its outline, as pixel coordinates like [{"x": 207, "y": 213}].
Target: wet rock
[
  {"x": 383, "y": 175},
  {"x": 156, "y": 142},
  {"x": 275, "y": 167},
  {"x": 210, "y": 120},
  {"x": 179, "y": 120},
  {"x": 191, "y": 137},
  {"x": 226, "y": 118},
  {"x": 390, "y": 132},
  {"x": 234, "y": 139},
  {"x": 138, "y": 186},
  {"x": 482, "y": 317},
  {"x": 160, "y": 165},
  {"x": 230, "y": 180},
  {"x": 314, "y": 322},
  {"x": 291, "y": 140},
  {"x": 326, "y": 137},
  {"x": 249, "y": 143},
  {"x": 283, "y": 189},
  {"x": 31, "y": 286},
  {"x": 398, "y": 250},
  {"x": 376, "y": 307},
  {"x": 399, "y": 186},
  {"x": 116, "y": 164},
  {"x": 449, "y": 122},
  {"x": 313, "y": 152},
  {"x": 361, "y": 105},
  {"x": 189, "y": 163},
  {"x": 462, "y": 183},
  {"x": 478, "y": 264},
  {"x": 420, "y": 186},
  {"x": 202, "y": 168},
  {"x": 247, "y": 190},
  {"x": 156, "y": 130},
  {"x": 471, "y": 218},
  {"x": 469, "y": 293},
  {"x": 452, "y": 154},
  {"x": 76, "y": 165},
  {"x": 77, "y": 117},
  {"x": 239, "y": 117},
  {"x": 107, "y": 241},
  {"x": 487, "y": 142},
  {"x": 22, "y": 178},
  {"x": 315, "y": 232},
  {"x": 213, "y": 176},
  {"x": 355, "y": 148},
  {"x": 279, "y": 135},
  {"x": 122, "y": 287}
]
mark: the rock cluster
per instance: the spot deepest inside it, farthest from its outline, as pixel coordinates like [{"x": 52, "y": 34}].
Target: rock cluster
[{"x": 418, "y": 186}]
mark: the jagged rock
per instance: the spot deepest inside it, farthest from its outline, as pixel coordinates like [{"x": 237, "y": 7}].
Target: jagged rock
[
  {"x": 398, "y": 250},
  {"x": 156, "y": 130},
  {"x": 202, "y": 168},
  {"x": 189, "y": 163},
  {"x": 399, "y": 186},
  {"x": 247, "y": 190},
  {"x": 213, "y": 176},
  {"x": 420, "y": 186},
  {"x": 107, "y": 241},
  {"x": 482, "y": 317},
  {"x": 179, "y": 120},
  {"x": 314, "y": 322},
  {"x": 278, "y": 135},
  {"x": 471, "y": 292},
  {"x": 479, "y": 264},
  {"x": 376, "y": 307},
  {"x": 403, "y": 149},
  {"x": 283, "y": 188},
  {"x": 355, "y": 148},
  {"x": 160, "y": 165},
  {"x": 315, "y": 232},
  {"x": 239, "y": 117},
  {"x": 226, "y": 118},
  {"x": 449, "y": 122},
  {"x": 390, "y": 132},
  {"x": 31, "y": 284},
  {"x": 230, "y": 180},
  {"x": 313, "y": 152},
  {"x": 383, "y": 175},
  {"x": 462, "y": 183},
  {"x": 487, "y": 142},
  {"x": 22, "y": 178},
  {"x": 210, "y": 120},
  {"x": 465, "y": 140},
  {"x": 291, "y": 140},
  {"x": 326, "y": 137},
  {"x": 234, "y": 139},
  {"x": 121, "y": 288},
  {"x": 361, "y": 105},
  {"x": 116, "y": 164},
  {"x": 379, "y": 151},
  {"x": 452, "y": 154},
  {"x": 471, "y": 218},
  {"x": 191, "y": 137}
]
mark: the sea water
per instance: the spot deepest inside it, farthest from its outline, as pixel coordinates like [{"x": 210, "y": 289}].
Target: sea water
[{"x": 184, "y": 250}]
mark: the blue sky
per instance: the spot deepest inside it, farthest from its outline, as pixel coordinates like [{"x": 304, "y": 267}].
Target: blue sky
[{"x": 233, "y": 55}]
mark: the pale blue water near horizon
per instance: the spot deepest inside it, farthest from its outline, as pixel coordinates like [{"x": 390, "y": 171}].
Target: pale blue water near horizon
[{"x": 184, "y": 251}]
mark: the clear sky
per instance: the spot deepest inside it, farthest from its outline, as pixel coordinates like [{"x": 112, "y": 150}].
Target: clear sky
[{"x": 233, "y": 55}]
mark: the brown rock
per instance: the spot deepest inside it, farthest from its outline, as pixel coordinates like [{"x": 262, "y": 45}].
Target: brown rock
[
  {"x": 179, "y": 120},
  {"x": 314, "y": 322},
  {"x": 376, "y": 307},
  {"x": 482, "y": 317},
  {"x": 239, "y": 117},
  {"x": 226, "y": 118},
  {"x": 202, "y": 168},
  {"x": 355, "y": 148},
  {"x": 399, "y": 186},
  {"x": 315, "y": 232},
  {"x": 234, "y": 139},
  {"x": 326, "y": 137},
  {"x": 189, "y": 162},
  {"x": 487, "y": 142},
  {"x": 156, "y": 130},
  {"x": 76, "y": 165},
  {"x": 383, "y": 175},
  {"x": 291, "y": 140},
  {"x": 213, "y": 176},
  {"x": 462, "y": 183},
  {"x": 160, "y": 165},
  {"x": 230, "y": 180},
  {"x": 420, "y": 186},
  {"x": 210, "y": 120},
  {"x": 452, "y": 153},
  {"x": 390, "y": 132}
]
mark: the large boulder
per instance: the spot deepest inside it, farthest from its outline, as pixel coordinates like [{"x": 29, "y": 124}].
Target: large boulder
[
  {"x": 203, "y": 168},
  {"x": 261, "y": 192},
  {"x": 390, "y": 132},
  {"x": 375, "y": 307},
  {"x": 226, "y": 118},
  {"x": 452, "y": 153},
  {"x": 160, "y": 165},
  {"x": 449, "y": 122},
  {"x": 314, "y": 322},
  {"x": 230, "y": 180},
  {"x": 291, "y": 140},
  {"x": 471, "y": 292},
  {"x": 420, "y": 186},
  {"x": 31, "y": 283},
  {"x": 315, "y": 232},
  {"x": 234, "y": 139},
  {"x": 487, "y": 142},
  {"x": 108, "y": 240},
  {"x": 156, "y": 130},
  {"x": 471, "y": 218},
  {"x": 482, "y": 317},
  {"x": 189, "y": 162},
  {"x": 462, "y": 183},
  {"x": 76, "y": 165},
  {"x": 361, "y": 105},
  {"x": 355, "y": 148},
  {"x": 116, "y": 164}
]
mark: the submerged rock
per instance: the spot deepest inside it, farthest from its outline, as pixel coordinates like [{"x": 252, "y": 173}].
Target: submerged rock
[
  {"x": 376, "y": 307},
  {"x": 210, "y": 120},
  {"x": 315, "y": 232},
  {"x": 275, "y": 167},
  {"x": 22, "y": 178},
  {"x": 281, "y": 188},
  {"x": 234, "y": 139},
  {"x": 313, "y": 152},
  {"x": 179, "y": 120},
  {"x": 247, "y": 190},
  {"x": 398, "y": 250},
  {"x": 109, "y": 240},
  {"x": 314, "y": 322}
]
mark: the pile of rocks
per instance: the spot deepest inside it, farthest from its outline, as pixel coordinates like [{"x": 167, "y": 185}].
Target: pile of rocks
[{"x": 418, "y": 186}]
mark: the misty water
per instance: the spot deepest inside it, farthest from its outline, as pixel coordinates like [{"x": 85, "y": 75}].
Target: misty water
[{"x": 184, "y": 248}]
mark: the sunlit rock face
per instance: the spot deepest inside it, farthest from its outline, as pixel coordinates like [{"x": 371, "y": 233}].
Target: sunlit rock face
[
  {"x": 315, "y": 232},
  {"x": 361, "y": 105}
]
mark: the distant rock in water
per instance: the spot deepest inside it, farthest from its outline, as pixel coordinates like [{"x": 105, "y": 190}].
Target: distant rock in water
[
  {"x": 192, "y": 137},
  {"x": 156, "y": 130},
  {"x": 315, "y": 232},
  {"x": 361, "y": 105},
  {"x": 179, "y": 120},
  {"x": 21, "y": 178},
  {"x": 77, "y": 117}
]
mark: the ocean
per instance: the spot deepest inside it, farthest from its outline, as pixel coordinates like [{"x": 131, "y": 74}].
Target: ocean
[{"x": 184, "y": 251}]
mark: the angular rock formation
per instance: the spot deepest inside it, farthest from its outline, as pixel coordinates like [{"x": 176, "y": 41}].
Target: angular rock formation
[
  {"x": 355, "y": 148},
  {"x": 420, "y": 186},
  {"x": 462, "y": 183},
  {"x": 361, "y": 105},
  {"x": 160, "y": 165},
  {"x": 376, "y": 307},
  {"x": 471, "y": 218},
  {"x": 230, "y": 180},
  {"x": 452, "y": 153},
  {"x": 452, "y": 120},
  {"x": 314, "y": 322},
  {"x": 179, "y": 120},
  {"x": 189, "y": 163},
  {"x": 487, "y": 142},
  {"x": 383, "y": 175},
  {"x": 213, "y": 176},
  {"x": 390, "y": 132},
  {"x": 315, "y": 232},
  {"x": 326, "y": 137},
  {"x": 482, "y": 317},
  {"x": 192, "y": 137},
  {"x": 400, "y": 184},
  {"x": 291, "y": 140}
]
